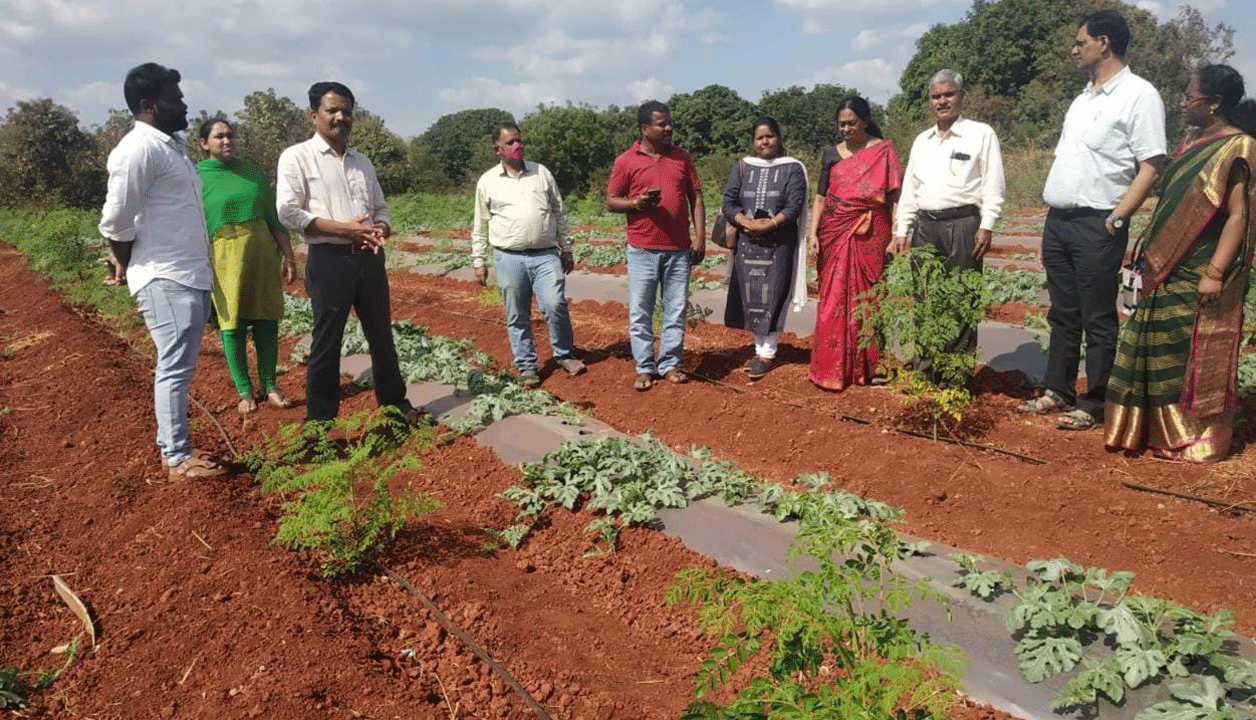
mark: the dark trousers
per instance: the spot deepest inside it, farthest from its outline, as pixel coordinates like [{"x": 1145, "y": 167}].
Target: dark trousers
[
  {"x": 1083, "y": 264},
  {"x": 954, "y": 241},
  {"x": 337, "y": 281}
]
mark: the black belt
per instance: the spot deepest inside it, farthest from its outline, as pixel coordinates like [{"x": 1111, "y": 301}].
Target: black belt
[
  {"x": 353, "y": 248},
  {"x": 530, "y": 251},
  {"x": 1081, "y": 212},
  {"x": 954, "y": 213}
]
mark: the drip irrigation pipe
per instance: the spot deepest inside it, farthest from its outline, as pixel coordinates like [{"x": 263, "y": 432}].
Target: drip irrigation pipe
[
  {"x": 1215, "y": 502},
  {"x": 95, "y": 320},
  {"x": 464, "y": 637}
]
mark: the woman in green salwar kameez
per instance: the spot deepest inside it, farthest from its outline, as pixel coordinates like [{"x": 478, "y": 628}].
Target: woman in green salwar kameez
[
  {"x": 1173, "y": 388},
  {"x": 251, "y": 252}
]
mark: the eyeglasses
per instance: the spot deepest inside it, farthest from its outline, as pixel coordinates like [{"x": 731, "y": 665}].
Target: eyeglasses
[{"x": 1187, "y": 99}]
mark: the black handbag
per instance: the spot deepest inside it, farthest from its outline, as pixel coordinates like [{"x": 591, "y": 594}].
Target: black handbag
[{"x": 724, "y": 233}]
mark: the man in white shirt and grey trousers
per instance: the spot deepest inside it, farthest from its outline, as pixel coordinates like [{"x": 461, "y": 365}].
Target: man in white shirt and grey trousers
[
  {"x": 1110, "y": 153},
  {"x": 952, "y": 191},
  {"x": 155, "y": 222}
]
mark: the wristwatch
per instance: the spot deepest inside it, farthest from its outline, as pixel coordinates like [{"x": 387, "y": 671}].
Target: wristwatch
[{"x": 1117, "y": 221}]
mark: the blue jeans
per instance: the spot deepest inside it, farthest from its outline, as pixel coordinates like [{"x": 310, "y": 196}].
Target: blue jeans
[
  {"x": 520, "y": 275},
  {"x": 665, "y": 273},
  {"x": 175, "y": 315}
]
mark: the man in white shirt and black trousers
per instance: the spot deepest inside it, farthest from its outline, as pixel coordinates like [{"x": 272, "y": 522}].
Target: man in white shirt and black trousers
[
  {"x": 329, "y": 192},
  {"x": 952, "y": 191},
  {"x": 519, "y": 212},
  {"x": 1110, "y": 153},
  {"x": 155, "y": 223}
]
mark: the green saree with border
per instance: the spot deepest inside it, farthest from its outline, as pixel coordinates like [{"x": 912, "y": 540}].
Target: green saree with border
[{"x": 1173, "y": 387}]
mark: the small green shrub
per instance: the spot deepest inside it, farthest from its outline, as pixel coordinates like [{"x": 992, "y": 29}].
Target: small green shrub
[
  {"x": 834, "y": 644},
  {"x": 13, "y": 691},
  {"x": 1014, "y": 286},
  {"x": 917, "y": 308},
  {"x": 333, "y": 478}
]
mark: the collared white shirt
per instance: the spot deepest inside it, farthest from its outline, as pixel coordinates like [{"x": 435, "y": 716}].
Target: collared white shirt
[
  {"x": 1107, "y": 131},
  {"x": 962, "y": 166},
  {"x": 518, "y": 213},
  {"x": 154, "y": 203},
  {"x": 314, "y": 183}
]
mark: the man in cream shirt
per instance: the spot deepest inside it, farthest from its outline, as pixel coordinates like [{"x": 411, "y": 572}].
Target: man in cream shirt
[
  {"x": 1110, "y": 153},
  {"x": 329, "y": 192},
  {"x": 519, "y": 211},
  {"x": 952, "y": 191}
]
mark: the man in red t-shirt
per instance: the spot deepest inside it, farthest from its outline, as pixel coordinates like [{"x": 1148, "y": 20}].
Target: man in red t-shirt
[{"x": 657, "y": 186}]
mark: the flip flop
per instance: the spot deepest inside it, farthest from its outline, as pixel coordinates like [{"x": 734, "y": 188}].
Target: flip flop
[
  {"x": 644, "y": 382},
  {"x": 1076, "y": 420},
  {"x": 675, "y": 377},
  {"x": 246, "y": 405}
]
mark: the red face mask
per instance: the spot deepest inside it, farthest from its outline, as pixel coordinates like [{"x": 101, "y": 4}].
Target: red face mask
[{"x": 513, "y": 153}]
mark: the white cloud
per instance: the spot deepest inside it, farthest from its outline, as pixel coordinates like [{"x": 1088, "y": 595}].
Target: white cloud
[
  {"x": 866, "y": 39},
  {"x": 98, "y": 94},
  {"x": 1153, "y": 7},
  {"x": 268, "y": 70},
  {"x": 715, "y": 38},
  {"x": 489, "y": 92},
  {"x": 876, "y": 78},
  {"x": 650, "y": 89},
  {"x": 11, "y": 94},
  {"x": 17, "y": 31},
  {"x": 911, "y": 32}
]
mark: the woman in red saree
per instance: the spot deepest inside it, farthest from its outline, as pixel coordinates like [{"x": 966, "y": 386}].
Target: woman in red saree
[{"x": 850, "y": 233}]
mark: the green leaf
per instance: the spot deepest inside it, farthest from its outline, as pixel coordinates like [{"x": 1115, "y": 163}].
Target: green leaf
[
  {"x": 1085, "y": 686},
  {"x": 1057, "y": 570},
  {"x": 1044, "y": 657},
  {"x": 1242, "y": 672},
  {"x": 1121, "y": 622},
  {"x": 1198, "y": 700},
  {"x": 1138, "y": 664}
]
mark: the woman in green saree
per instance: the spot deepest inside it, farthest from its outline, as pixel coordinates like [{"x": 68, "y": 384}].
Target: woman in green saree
[
  {"x": 251, "y": 252},
  {"x": 1173, "y": 388}
]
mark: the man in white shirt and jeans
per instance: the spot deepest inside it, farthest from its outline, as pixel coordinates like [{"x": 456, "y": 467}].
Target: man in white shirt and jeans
[
  {"x": 1110, "y": 153},
  {"x": 519, "y": 211},
  {"x": 952, "y": 191},
  {"x": 155, "y": 223}
]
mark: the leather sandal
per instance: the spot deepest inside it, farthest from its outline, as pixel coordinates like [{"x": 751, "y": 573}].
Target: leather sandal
[
  {"x": 675, "y": 377},
  {"x": 197, "y": 466},
  {"x": 1049, "y": 402},
  {"x": 644, "y": 382},
  {"x": 246, "y": 405}
]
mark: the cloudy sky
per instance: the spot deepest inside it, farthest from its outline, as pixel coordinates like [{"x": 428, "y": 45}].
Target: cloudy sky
[{"x": 412, "y": 61}]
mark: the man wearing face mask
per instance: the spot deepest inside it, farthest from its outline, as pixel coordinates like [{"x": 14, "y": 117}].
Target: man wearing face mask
[{"x": 519, "y": 212}]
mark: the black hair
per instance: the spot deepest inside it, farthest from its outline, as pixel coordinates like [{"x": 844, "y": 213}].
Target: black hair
[
  {"x": 645, "y": 113},
  {"x": 497, "y": 131},
  {"x": 1110, "y": 24},
  {"x": 208, "y": 126},
  {"x": 1225, "y": 83},
  {"x": 319, "y": 89},
  {"x": 863, "y": 111},
  {"x": 773, "y": 126},
  {"x": 146, "y": 82}
]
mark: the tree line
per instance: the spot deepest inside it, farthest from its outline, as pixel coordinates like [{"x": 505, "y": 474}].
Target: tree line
[{"x": 1012, "y": 53}]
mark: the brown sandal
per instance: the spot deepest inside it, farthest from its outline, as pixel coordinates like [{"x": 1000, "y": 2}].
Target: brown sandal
[
  {"x": 675, "y": 377},
  {"x": 246, "y": 405},
  {"x": 644, "y": 382},
  {"x": 202, "y": 466}
]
